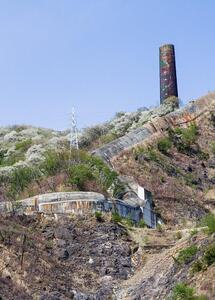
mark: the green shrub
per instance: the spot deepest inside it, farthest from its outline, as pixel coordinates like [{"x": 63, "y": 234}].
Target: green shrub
[
  {"x": 152, "y": 154},
  {"x": 213, "y": 147},
  {"x": 128, "y": 221},
  {"x": 183, "y": 292},
  {"x": 209, "y": 221},
  {"x": 186, "y": 254},
  {"x": 55, "y": 162},
  {"x": 213, "y": 118},
  {"x": 197, "y": 266},
  {"x": 23, "y": 145},
  {"x": 116, "y": 217},
  {"x": 209, "y": 255},
  {"x": 159, "y": 228},
  {"x": 178, "y": 235},
  {"x": 79, "y": 174},
  {"x": 162, "y": 179},
  {"x": 184, "y": 138},
  {"x": 18, "y": 155},
  {"x": 2, "y": 155},
  {"x": 98, "y": 216},
  {"x": 193, "y": 232},
  {"x": 191, "y": 179},
  {"x": 21, "y": 178},
  {"x": 202, "y": 155},
  {"x": 107, "y": 138},
  {"x": 141, "y": 224},
  {"x": 189, "y": 134},
  {"x": 101, "y": 171},
  {"x": 13, "y": 158},
  {"x": 148, "y": 152},
  {"x": 91, "y": 134},
  {"x": 164, "y": 145}
]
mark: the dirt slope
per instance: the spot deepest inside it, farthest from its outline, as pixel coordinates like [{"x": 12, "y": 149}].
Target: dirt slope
[{"x": 182, "y": 183}]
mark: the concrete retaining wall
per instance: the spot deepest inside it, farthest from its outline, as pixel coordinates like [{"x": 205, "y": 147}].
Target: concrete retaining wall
[{"x": 63, "y": 202}]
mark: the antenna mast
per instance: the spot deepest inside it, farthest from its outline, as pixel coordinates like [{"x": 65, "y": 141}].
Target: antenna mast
[{"x": 73, "y": 132}]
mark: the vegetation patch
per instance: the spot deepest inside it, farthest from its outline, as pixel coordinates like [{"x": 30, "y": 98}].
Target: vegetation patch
[
  {"x": 209, "y": 255},
  {"x": 116, "y": 217},
  {"x": 197, "y": 266},
  {"x": 164, "y": 145},
  {"x": 79, "y": 167},
  {"x": 145, "y": 153},
  {"x": 23, "y": 145},
  {"x": 194, "y": 232},
  {"x": 187, "y": 254},
  {"x": 183, "y": 292},
  {"x": 184, "y": 138},
  {"x": 213, "y": 147},
  {"x": 141, "y": 224},
  {"x": 209, "y": 222},
  {"x": 99, "y": 216},
  {"x": 207, "y": 259}
]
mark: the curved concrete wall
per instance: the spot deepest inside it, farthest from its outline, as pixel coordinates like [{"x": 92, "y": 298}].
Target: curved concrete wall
[
  {"x": 62, "y": 202},
  {"x": 63, "y": 196}
]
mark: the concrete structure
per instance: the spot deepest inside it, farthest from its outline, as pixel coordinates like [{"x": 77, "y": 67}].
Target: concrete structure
[
  {"x": 83, "y": 202},
  {"x": 168, "y": 78},
  {"x": 140, "y": 196}
]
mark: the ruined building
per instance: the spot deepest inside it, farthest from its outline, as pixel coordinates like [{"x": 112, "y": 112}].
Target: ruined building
[{"x": 168, "y": 78}]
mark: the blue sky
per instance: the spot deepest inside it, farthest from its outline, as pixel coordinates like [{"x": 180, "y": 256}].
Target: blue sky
[{"x": 100, "y": 56}]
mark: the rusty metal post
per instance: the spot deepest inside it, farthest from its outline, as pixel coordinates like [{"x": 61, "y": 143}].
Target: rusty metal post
[{"x": 168, "y": 79}]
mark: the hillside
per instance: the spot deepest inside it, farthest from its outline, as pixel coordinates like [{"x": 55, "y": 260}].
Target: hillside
[
  {"x": 174, "y": 157},
  {"x": 96, "y": 256}
]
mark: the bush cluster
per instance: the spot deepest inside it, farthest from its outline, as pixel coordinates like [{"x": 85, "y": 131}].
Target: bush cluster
[
  {"x": 213, "y": 147},
  {"x": 79, "y": 166},
  {"x": 98, "y": 216},
  {"x": 91, "y": 134},
  {"x": 148, "y": 153},
  {"x": 184, "y": 138},
  {"x": 185, "y": 255},
  {"x": 164, "y": 145},
  {"x": 207, "y": 259},
  {"x": 17, "y": 155},
  {"x": 116, "y": 217},
  {"x": 209, "y": 222},
  {"x": 23, "y": 145},
  {"x": 209, "y": 255},
  {"x": 183, "y": 292}
]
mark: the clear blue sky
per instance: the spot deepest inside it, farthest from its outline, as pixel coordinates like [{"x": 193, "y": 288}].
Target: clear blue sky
[{"x": 100, "y": 56}]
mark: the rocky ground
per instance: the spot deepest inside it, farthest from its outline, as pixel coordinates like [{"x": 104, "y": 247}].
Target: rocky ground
[
  {"x": 161, "y": 272},
  {"x": 72, "y": 258},
  {"x": 83, "y": 259}
]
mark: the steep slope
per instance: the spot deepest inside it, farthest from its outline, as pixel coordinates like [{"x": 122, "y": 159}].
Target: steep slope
[
  {"x": 69, "y": 258},
  {"x": 49, "y": 257},
  {"x": 161, "y": 272},
  {"x": 182, "y": 177}
]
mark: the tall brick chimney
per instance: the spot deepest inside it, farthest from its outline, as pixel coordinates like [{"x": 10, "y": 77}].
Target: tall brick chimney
[{"x": 168, "y": 78}]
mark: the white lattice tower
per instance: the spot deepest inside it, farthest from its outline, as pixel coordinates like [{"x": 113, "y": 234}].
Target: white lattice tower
[{"x": 73, "y": 131}]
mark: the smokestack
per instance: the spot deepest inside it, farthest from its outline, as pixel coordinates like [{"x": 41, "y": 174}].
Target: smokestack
[{"x": 168, "y": 79}]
